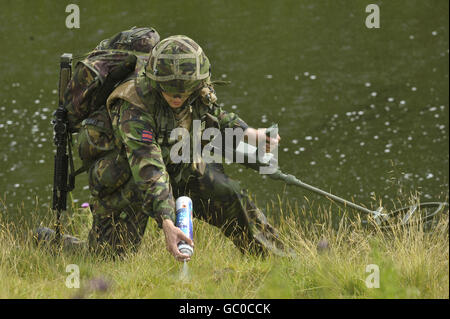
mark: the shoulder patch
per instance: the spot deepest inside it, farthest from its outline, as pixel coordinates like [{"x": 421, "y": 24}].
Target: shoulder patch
[{"x": 147, "y": 136}]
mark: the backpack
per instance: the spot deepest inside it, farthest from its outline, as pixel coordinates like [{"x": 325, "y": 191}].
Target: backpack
[{"x": 94, "y": 78}]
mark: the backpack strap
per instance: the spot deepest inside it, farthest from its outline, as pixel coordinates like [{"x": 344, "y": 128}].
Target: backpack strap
[{"x": 126, "y": 91}]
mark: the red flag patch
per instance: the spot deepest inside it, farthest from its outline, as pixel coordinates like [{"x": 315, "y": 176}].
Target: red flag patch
[{"x": 147, "y": 136}]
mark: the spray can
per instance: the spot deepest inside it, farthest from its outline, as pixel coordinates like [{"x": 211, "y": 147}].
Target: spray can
[{"x": 183, "y": 221}]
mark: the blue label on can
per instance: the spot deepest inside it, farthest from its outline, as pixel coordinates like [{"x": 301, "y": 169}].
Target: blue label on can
[{"x": 184, "y": 221}]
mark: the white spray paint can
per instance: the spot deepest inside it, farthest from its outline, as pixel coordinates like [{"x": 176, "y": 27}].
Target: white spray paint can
[{"x": 183, "y": 221}]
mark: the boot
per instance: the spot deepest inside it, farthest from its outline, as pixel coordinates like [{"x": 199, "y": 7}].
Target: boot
[{"x": 47, "y": 235}]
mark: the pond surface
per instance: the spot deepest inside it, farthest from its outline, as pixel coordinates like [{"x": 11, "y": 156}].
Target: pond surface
[{"x": 363, "y": 113}]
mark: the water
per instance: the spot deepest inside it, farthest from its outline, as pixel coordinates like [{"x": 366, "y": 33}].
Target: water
[{"x": 360, "y": 111}]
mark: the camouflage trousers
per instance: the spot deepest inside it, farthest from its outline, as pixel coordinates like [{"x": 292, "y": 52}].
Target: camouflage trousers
[{"x": 217, "y": 199}]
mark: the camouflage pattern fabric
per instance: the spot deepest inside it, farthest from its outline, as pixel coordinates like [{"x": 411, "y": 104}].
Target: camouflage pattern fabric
[
  {"x": 107, "y": 174},
  {"x": 219, "y": 201},
  {"x": 90, "y": 73},
  {"x": 178, "y": 64},
  {"x": 88, "y": 76},
  {"x": 138, "y": 179},
  {"x": 117, "y": 231},
  {"x": 120, "y": 216},
  {"x": 135, "y": 39},
  {"x": 96, "y": 137},
  {"x": 150, "y": 158}
]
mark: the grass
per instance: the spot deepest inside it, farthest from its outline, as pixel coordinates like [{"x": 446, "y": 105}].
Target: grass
[{"x": 333, "y": 251}]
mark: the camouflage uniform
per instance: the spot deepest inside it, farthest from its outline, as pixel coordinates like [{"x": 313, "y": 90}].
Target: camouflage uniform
[{"x": 138, "y": 179}]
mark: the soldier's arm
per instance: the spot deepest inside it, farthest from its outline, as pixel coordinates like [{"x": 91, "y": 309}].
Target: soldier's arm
[
  {"x": 135, "y": 129},
  {"x": 232, "y": 120},
  {"x": 228, "y": 119}
]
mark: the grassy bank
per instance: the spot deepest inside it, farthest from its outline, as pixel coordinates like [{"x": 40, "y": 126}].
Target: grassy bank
[{"x": 331, "y": 263}]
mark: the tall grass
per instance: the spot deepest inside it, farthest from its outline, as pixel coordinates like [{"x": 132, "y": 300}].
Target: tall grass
[{"x": 332, "y": 250}]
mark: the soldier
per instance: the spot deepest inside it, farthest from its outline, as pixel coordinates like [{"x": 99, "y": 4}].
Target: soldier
[{"x": 139, "y": 180}]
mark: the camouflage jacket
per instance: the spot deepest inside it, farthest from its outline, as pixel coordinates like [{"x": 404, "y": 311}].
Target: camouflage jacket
[{"x": 142, "y": 121}]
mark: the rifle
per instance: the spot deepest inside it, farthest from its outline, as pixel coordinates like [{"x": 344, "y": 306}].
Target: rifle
[{"x": 62, "y": 183}]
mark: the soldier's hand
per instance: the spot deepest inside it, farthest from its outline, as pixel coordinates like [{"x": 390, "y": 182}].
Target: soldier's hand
[
  {"x": 260, "y": 134},
  {"x": 271, "y": 143},
  {"x": 173, "y": 236}
]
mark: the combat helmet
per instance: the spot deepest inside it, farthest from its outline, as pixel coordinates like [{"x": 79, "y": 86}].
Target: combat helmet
[{"x": 178, "y": 65}]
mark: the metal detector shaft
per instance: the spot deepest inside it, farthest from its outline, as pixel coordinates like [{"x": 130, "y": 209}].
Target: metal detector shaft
[
  {"x": 291, "y": 179},
  {"x": 380, "y": 216}
]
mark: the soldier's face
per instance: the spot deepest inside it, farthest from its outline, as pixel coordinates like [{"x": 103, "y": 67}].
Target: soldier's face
[{"x": 175, "y": 100}]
